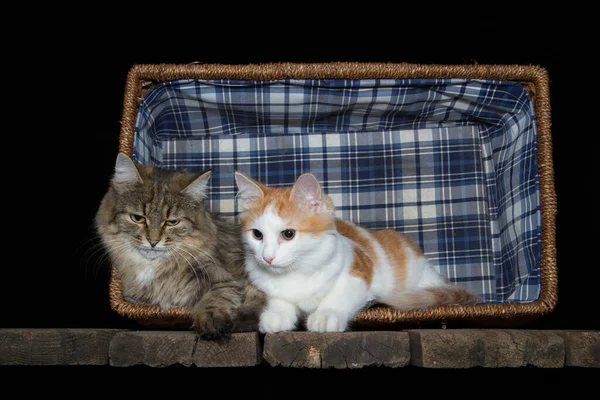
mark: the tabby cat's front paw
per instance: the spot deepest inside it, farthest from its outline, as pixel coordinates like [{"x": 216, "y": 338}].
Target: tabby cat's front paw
[
  {"x": 327, "y": 321},
  {"x": 213, "y": 323},
  {"x": 271, "y": 322}
]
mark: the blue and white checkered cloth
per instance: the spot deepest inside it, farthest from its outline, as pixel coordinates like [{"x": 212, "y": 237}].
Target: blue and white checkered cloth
[{"x": 451, "y": 163}]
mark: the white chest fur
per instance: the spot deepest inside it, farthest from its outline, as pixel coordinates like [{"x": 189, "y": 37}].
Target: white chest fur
[
  {"x": 144, "y": 269},
  {"x": 145, "y": 275},
  {"x": 306, "y": 285}
]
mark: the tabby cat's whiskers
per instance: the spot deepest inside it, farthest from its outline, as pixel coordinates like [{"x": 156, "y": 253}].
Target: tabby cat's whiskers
[{"x": 175, "y": 253}]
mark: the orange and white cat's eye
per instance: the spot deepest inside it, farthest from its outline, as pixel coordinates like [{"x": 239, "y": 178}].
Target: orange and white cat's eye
[
  {"x": 257, "y": 234},
  {"x": 172, "y": 222},
  {"x": 138, "y": 219},
  {"x": 288, "y": 234}
]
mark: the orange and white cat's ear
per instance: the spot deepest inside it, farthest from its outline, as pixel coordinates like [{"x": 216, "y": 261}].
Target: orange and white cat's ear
[
  {"x": 199, "y": 186},
  {"x": 328, "y": 204},
  {"x": 307, "y": 194},
  {"x": 249, "y": 191},
  {"x": 125, "y": 171}
]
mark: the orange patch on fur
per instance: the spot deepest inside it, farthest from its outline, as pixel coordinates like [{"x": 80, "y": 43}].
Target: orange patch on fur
[
  {"x": 394, "y": 244},
  {"x": 286, "y": 209},
  {"x": 365, "y": 257},
  {"x": 363, "y": 266}
]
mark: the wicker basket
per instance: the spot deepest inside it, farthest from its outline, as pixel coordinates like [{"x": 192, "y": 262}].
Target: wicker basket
[{"x": 534, "y": 81}]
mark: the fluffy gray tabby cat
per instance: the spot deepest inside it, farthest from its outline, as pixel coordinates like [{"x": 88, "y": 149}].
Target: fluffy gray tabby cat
[{"x": 169, "y": 250}]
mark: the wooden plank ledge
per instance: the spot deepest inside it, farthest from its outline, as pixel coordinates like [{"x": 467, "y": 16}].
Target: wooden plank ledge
[
  {"x": 55, "y": 346},
  {"x": 168, "y": 348},
  {"x": 418, "y": 348},
  {"x": 337, "y": 350}
]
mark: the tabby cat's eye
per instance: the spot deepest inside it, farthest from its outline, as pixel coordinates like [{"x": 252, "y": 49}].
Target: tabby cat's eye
[
  {"x": 257, "y": 234},
  {"x": 138, "y": 219},
  {"x": 172, "y": 222},
  {"x": 288, "y": 234}
]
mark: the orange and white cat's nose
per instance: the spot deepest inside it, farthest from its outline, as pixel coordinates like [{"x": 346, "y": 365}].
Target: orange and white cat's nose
[{"x": 268, "y": 259}]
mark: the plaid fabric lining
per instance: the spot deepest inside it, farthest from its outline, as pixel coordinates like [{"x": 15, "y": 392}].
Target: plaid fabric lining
[{"x": 451, "y": 163}]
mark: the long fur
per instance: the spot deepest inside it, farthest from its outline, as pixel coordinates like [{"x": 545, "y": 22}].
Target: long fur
[{"x": 178, "y": 253}]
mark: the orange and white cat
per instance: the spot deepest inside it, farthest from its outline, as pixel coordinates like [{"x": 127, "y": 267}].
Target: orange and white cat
[{"x": 310, "y": 263}]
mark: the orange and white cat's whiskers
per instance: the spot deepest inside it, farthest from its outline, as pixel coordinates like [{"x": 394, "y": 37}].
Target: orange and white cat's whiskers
[{"x": 293, "y": 266}]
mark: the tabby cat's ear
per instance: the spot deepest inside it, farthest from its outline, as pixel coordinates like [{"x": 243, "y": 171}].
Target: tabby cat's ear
[
  {"x": 249, "y": 190},
  {"x": 198, "y": 188},
  {"x": 125, "y": 171},
  {"x": 307, "y": 194}
]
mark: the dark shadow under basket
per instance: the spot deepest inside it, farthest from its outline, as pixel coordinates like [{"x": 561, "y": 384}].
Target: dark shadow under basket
[{"x": 459, "y": 158}]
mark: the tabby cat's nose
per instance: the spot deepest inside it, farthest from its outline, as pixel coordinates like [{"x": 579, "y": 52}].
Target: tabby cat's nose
[{"x": 153, "y": 243}]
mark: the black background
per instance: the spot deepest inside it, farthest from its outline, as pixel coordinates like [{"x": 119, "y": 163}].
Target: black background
[
  {"x": 75, "y": 82},
  {"x": 69, "y": 96}
]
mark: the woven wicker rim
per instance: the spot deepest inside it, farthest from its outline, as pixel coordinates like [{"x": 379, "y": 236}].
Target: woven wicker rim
[{"x": 533, "y": 78}]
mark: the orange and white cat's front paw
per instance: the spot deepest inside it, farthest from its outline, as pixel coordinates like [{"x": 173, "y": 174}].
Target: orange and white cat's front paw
[
  {"x": 327, "y": 321},
  {"x": 271, "y": 322}
]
